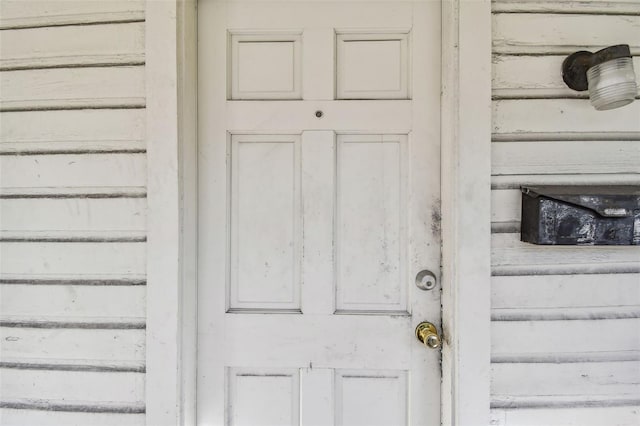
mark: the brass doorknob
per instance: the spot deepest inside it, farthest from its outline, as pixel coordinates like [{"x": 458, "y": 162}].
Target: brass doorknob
[{"x": 428, "y": 335}]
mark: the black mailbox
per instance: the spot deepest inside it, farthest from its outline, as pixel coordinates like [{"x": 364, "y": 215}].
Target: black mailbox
[{"x": 570, "y": 215}]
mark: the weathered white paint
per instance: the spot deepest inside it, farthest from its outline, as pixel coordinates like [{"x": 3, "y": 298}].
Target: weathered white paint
[
  {"x": 21, "y": 417},
  {"x": 508, "y": 250},
  {"x": 296, "y": 186},
  {"x": 73, "y": 170},
  {"x": 562, "y": 118},
  {"x": 262, "y": 68},
  {"x": 318, "y": 298},
  {"x": 44, "y": 13},
  {"x": 88, "y": 192},
  {"x": 187, "y": 33},
  {"x": 565, "y": 291},
  {"x": 516, "y": 181},
  {"x": 565, "y": 333},
  {"x": 549, "y": 33},
  {"x": 84, "y": 130},
  {"x": 506, "y": 205},
  {"x": 316, "y": 404},
  {"x": 72, "y": 344},
  {"x": 466, "y": 210},
  {"x": 78, "y": 216},
  {"x": 605, "y": 379},
  {"x": 85, "y": 386},
  {"x": 266, "y": 247},
  {"x": 79, "y": 302},
  {"x": 38, "y": 14},
  {"x": 73, "y": 257},
  {"x": 570, "y": 157},
  {"x": 544, "y": 338},
  {"x": 106, "y": 87},
  {"x": 574, "y": 416},
  {"x": 259, "y": 397},
  {"x": 381, "y": 392},
  {"x": 562, "y": 401},
  {"x": 163, "y": 384},
  {"x": 357, "y": 54},
  {"x": 107, "y": 44},
  {"x": 284, "y": 116},
  {"x": 74, "y": 406},
  {"x": 583, "y": 6}
]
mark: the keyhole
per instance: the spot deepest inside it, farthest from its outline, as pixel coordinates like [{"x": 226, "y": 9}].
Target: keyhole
[{"x": 319, "y": 114}]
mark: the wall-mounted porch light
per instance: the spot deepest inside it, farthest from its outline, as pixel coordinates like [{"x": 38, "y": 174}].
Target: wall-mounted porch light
[{"x": 607, "y": 74}]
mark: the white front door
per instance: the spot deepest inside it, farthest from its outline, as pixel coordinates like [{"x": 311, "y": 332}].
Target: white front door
[{"x": 319, "y": 187}]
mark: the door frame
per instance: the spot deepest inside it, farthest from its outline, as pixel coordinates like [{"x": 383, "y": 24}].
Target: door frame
[{"x": 171, "y": 140}]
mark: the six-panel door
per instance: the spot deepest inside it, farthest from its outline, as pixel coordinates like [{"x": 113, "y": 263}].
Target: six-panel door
[{"x": 318, "y": 204}]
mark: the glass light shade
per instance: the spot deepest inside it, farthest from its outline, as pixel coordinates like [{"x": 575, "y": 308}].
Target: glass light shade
[{"x": 612, "y": 84}]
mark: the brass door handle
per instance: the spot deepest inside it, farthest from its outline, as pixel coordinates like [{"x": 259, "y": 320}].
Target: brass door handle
[{"x": 428, "y": 335}]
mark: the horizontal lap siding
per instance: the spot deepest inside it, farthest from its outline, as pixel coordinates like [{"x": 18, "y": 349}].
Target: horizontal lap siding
[
  {"x": 72, "y": 213},
  {"x": 73, "y": 170},
  {"x": 107, "y": 44},
  {"x": 45, "y": 13},
  {"x": 73, "y": 216},
  {"x": 20, "y": 417},
  {"x": 566, "y": 320},
  {"x": 94, "y": 87},
  {"x": 67, "y": 131},
  {"x": 572, "y": 416}
]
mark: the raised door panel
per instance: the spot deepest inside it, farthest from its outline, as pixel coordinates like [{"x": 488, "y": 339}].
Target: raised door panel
[
  {"x": 263, "y": 397},
  {"x": 371, "y": 398},
  {"x": 265, "y": 65},
  {"x": 371, "y": 223},
  {"x": 265, "y": 210},
  {"x": 372, "y": 65}
]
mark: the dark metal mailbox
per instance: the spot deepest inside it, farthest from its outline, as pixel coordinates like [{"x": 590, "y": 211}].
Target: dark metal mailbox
[{"x": 571, "y": 215}]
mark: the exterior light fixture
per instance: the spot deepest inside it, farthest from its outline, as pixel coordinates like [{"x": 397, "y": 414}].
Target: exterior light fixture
[{"x": 607, "y": 74}]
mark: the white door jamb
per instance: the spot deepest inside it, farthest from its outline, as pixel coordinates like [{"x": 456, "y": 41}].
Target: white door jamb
[{"x": 466, "y": 211}]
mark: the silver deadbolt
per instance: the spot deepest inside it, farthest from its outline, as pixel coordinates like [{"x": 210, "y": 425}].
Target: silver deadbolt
[{"x": 426, "y": 280}]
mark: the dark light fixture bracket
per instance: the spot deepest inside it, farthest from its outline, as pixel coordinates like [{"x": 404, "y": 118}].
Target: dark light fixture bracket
[{"x": 575, "y": 66}]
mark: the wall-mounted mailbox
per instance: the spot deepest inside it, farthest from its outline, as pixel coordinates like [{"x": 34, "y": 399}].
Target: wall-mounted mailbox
[{"x": 585, "y": 215}]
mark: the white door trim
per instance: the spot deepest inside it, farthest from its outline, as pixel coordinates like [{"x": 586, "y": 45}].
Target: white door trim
[
  {"x": 171, "y": 64},
  {"x": 466, "y": 211},
  {"x": 163, "y": 218},
  {"x": 171, "y": 100}
]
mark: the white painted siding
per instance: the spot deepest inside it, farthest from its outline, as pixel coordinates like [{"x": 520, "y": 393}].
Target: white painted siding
[
  {"x": 72, "y": 213},
  {"x": 565, "y": 320}
]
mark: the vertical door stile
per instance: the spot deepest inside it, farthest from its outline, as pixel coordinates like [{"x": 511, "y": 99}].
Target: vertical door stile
[
  {"x": 213, "y": 212},
  {"x": 317, "y": 64},
  {"x": 318, "y": 183},
  {"x": 316, "y": 396},
  {"x": 424, "y": 207}
]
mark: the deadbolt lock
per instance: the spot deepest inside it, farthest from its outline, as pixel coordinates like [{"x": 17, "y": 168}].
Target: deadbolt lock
[
  {"x": 427, "y": 334},
  {"x": 426, "y": 280}
]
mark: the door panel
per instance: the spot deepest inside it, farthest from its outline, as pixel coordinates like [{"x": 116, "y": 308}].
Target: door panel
[
  {"x": 265, "y": 65},
  {"x": 372, "y": 65},
  {"x": 370, "y": 398},
  {"x": 371, "y": 238},
  {"x": 318, "y": 204},
  {"x": 259, "y": 397},
  {"x": 265, "y": 233}
]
